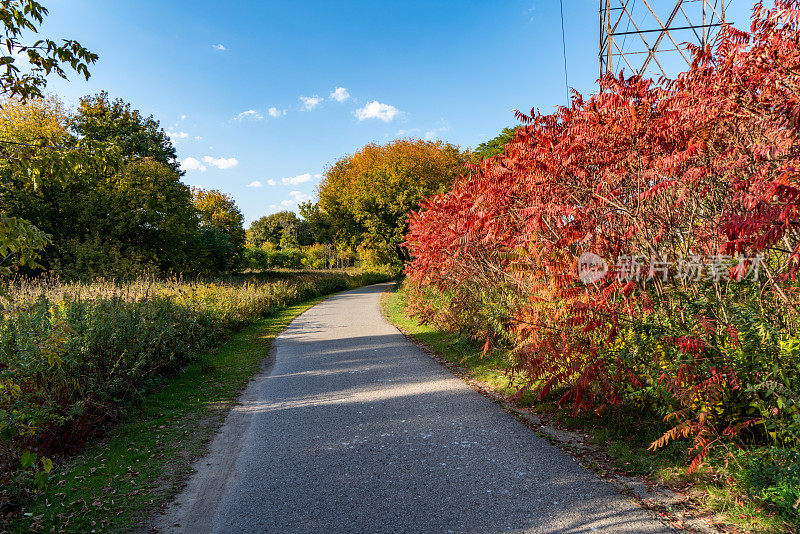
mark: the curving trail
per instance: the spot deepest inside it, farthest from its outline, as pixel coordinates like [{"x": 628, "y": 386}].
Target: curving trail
[{"x": 354, "y": 429}]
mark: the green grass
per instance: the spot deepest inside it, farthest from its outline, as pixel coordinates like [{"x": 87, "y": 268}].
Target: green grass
[
  {"x": 622, "y": 435},
  {"x": 117, "y": 484}
]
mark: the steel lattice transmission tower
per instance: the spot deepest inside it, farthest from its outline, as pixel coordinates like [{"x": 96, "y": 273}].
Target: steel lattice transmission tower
[{"x": 654, "y": 33}]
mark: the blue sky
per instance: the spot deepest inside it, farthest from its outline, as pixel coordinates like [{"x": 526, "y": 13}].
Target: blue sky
[{"x": 260, "y": 96}]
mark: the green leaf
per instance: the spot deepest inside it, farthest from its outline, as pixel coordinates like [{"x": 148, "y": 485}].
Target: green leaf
[
  {"x": 27, "y": 459},
  {"x": 40, "y": 480}
]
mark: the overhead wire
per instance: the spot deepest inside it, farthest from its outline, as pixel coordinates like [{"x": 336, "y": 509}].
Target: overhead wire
[
  {"x": 564, "y": 50},
  {"x": 628, "y": 27}
]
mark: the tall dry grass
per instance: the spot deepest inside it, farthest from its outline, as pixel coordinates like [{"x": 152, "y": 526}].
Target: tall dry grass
[{"x": 72, "y": 354}]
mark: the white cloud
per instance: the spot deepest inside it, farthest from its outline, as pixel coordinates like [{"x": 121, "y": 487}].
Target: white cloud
[
  {"x": 191, "y": 164},
  {"x": 299, "y": 179},
  {"x": 295, "y": 180},
  {"x": 340, "y": 94},
  {"x": 275, "y": 112},
  {"x": 310, "y": 102},
  {"x": 432, "y": 134},
  {"x": 177, "y": 135},
  {"x": 295, "y": 197},
  {"x": 221, "y": 163},
  {"x": 254, "y": 183},
  {"x": 250, "y": 114},
  {"x": 197, "y": 138},
  {"x": 377, "y": 110},
  {"x": 219, "y": 47},
  {"x": 183, "y": 117},
  {"x": 403, "y": 133}
]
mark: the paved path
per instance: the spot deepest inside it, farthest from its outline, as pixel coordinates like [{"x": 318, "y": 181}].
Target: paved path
[{"x": 354, "y": 429}]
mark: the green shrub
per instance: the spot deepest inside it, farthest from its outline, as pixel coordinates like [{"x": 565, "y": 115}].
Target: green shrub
[{"x": 772, "y": 475}]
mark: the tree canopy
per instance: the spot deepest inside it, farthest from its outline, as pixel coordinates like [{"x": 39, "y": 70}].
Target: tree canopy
[
  {"x": 115, "y": 122},
  {"x": 113, "y": 220},
  {"x": 366, "y": 197},
  {"x": 24, "y": 67},
  {"x": 222, "y": 236},
  {"x": 493, "y": 146},
  {"x": 280, "y": 229}
]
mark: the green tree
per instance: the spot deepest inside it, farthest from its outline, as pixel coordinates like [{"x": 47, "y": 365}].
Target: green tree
[
  {"x": 282, "y": 227},
  {"x": 20, "y": 244},
  {"x": 136, "y": 136},
  {"x": 146, "y": 214},
  {"x": 366, "y": 197},
  {"x": 493, "y": 146},
  {"x": 24, "y": 67},
  {"x": 114, "y": 221},
  {"x": 317, "y": 221},
  {"x": 222, "y": 236}
]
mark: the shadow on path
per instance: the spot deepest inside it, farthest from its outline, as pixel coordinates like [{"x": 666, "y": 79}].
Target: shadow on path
[{"x": 357, "y": 430}]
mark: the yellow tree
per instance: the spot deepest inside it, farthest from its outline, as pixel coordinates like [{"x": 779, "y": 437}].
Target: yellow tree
[{"x": 366, "y": 197}]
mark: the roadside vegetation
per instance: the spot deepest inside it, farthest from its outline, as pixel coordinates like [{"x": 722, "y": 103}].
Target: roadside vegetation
[
  {"x": 76, "y": 356},
  {"x": 118, "y": 481},
  {"x": 637, "y": 253},
  {"x": 721, "y": 490}
]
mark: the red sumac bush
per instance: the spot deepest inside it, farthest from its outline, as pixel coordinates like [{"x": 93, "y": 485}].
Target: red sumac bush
[{"x": 655, "y": 178}]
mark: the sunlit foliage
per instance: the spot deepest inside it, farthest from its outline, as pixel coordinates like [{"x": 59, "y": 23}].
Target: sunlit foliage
[
  {"x": 366, "y": 197},
  {"x": 702, "y": 166}
]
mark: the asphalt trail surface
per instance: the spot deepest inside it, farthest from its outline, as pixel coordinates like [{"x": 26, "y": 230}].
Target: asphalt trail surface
[{"x": 354, "y": 429}]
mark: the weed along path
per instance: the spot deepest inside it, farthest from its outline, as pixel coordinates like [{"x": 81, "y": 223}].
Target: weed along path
[{"x": 354, "y": 429}]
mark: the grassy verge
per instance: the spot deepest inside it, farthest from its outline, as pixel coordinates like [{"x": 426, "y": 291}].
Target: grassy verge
[
  {"x": 116, "y": 484},
  {"x": 620, "y": 438},
  {"x": 449, "y": 346}
]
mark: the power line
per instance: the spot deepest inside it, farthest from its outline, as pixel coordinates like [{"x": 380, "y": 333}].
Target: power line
[
  {"x": 628, "y": 27},
  {"x": 564, "y": 49}
]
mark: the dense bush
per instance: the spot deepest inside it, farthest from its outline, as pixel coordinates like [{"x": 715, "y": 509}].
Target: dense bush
[
  {"x": 655, "y": 181},
  {"x": 317, "y": 256},
  {"x": 259, "y": 258},
  {"x": 773, "y": 475},
  {"x": 72, "y": 354}
]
